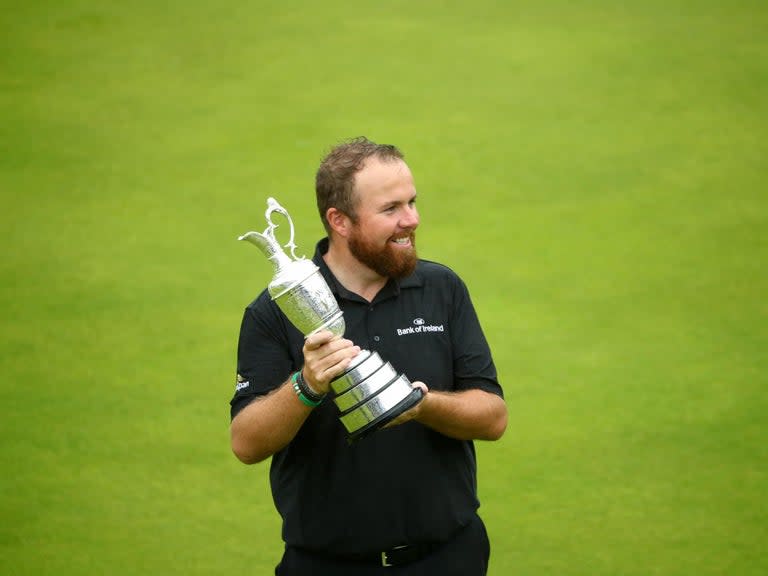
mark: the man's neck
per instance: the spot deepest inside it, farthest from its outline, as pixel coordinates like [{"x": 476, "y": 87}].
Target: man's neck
[{"x": 351, "y": 273}]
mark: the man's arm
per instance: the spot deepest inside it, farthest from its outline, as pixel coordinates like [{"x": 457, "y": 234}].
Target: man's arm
[
  {"x": 270, "y": 422},
  {"x": 467, "y": 415},
  {"x": 267, "y": 424},
  {"x": 471, "y": 405}
]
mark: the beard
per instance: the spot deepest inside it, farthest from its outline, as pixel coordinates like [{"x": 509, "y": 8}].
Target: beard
[{"x": 387, "y": 261}]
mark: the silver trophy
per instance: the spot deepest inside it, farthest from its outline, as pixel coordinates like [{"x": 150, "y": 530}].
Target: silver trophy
[{"x": 370, "y": 393}]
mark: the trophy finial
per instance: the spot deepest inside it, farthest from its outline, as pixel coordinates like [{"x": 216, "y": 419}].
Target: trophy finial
[
  {"x": 274, "y": 206},
  {"x": 267, "y": 242}
]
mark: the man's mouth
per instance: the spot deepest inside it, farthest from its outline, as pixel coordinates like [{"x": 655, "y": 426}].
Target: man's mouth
[{"x": 402, "y": 241}]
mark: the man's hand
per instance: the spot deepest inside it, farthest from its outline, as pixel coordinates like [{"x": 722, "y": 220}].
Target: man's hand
[
  {"x": 326, "y": 356},
  {"x": 467, "y": 415},
  {"x": 413, "y": 412}
]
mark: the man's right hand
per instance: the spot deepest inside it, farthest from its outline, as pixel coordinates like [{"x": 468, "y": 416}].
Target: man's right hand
[{"x": 326, "y": 356}]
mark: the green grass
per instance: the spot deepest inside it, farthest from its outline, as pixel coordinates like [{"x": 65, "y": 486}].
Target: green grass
[{"x": 596, "y": 171}]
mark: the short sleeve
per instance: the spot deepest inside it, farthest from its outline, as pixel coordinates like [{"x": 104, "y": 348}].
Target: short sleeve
[
  {"x": 473, "y": 361},
  {"x": 265, "y": 353}
]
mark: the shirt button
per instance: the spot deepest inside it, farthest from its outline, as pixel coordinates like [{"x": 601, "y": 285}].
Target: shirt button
[{"x": 376, "y": 338}]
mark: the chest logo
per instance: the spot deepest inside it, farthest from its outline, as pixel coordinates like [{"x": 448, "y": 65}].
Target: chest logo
[{"x": 420, "y": 327}]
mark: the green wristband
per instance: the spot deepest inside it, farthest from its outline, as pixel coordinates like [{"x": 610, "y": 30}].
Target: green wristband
[{"x": 299, "y": 385}]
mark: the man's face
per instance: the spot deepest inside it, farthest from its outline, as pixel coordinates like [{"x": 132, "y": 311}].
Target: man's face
[{"x": 383, "y": 238}]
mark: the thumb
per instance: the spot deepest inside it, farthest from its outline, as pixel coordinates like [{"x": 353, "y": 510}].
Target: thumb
[{"x": 419, "y": 384}]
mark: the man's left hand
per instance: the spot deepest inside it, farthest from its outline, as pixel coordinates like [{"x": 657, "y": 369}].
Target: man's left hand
[{"x": 413, "y": 412}]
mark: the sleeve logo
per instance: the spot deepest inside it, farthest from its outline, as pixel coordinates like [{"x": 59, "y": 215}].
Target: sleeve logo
[{"x": 242, "y": 383}]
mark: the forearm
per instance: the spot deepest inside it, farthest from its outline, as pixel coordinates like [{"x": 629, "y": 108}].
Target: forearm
[
  {"x": 467, "y": 415},
  {"x": 267, "y": 424}
]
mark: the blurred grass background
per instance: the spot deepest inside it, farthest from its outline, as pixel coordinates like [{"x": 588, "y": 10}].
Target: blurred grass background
[{"x": 595, "y": 170}]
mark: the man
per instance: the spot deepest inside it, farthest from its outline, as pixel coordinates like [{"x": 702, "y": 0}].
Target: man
[{"x": 402, "y": 500}]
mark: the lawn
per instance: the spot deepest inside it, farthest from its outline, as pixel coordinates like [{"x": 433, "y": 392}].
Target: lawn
[{"x": 596, "y": 172}]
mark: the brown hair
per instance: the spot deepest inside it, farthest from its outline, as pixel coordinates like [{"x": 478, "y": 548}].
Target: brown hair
[{"x": 335, "y": 179}]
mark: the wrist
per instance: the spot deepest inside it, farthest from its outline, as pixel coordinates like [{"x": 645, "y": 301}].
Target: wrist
[
  {"x": 304, "y": 391},
  {"x": 305, "y": 385}
]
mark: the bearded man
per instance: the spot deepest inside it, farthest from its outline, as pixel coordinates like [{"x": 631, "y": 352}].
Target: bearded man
[{"x": 403, "y": 500}]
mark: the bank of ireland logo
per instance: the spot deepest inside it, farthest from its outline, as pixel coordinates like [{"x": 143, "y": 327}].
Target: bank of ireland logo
[{"x": 420, "y": 327}]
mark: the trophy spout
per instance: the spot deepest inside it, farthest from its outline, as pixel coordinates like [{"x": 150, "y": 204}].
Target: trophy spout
[{"x": 268, "y": 246}]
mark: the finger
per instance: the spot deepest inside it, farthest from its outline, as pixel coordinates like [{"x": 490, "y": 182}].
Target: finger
[
  {"x": 318, "y": 339},
  {"x": 334, "y": 363},
  {"x": 419, "y": 384},
  {"x": 320, "y": 368},
  {"x": 326, "y": 340},
  {"x": 411, "y": 413},
  {"x": 402, "y": 419}
]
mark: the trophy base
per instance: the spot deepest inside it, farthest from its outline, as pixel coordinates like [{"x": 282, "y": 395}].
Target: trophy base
[{"x": 413, "y": 398}]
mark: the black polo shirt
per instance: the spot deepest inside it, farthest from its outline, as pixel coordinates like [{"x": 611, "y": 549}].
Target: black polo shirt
[{"x": 406, "y": 484}]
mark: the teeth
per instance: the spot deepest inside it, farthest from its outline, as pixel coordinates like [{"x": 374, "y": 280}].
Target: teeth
[{"x": 402, "y": 240}]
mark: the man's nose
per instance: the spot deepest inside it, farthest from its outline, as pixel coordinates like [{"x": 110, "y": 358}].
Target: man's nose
[{"x": 410, "y": 217}]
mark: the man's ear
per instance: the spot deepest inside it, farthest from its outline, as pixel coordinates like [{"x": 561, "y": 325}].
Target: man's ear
[{"x": 339, "y": 222}]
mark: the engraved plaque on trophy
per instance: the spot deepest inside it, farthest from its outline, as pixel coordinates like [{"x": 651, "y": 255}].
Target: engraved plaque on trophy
[{"x": 370, "y": 393}]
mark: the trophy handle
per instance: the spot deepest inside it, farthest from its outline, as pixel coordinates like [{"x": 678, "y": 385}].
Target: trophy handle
[{"x": 272, "y": 207}]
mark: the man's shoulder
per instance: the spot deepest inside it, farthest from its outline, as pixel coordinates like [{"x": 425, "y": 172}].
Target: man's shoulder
[
  {"x": 431, "y": 275},
  {"x": 429, "y": 269},
  {"x": 264, "y": 312},
  {"x": 261, "y": 302}
]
